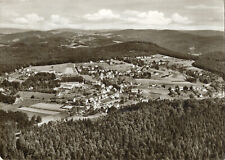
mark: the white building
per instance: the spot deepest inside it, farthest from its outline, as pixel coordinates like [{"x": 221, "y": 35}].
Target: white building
[{"x": 71, "y": 85}]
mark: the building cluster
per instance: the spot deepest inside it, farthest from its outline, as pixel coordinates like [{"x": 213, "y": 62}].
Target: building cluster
[{"x": 105, "y": 87}]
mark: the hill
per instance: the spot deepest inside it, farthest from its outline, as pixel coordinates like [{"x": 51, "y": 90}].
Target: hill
[
  {"x": 214, "y": 62},
  {"x": 23, "y": 54},
  {"x": 204, "y": 33},
  {"x": 11, "y": 30},
  {"x": 20, "y": 36},
  {"x": 179, "y": 41}
]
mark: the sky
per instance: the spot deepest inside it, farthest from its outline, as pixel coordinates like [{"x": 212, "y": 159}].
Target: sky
[{"x": 112, "y": 14}]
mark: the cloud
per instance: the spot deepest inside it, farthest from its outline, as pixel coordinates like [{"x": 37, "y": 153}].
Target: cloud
[
  {"x": 28, "y": 19},
  {"x": 8, "y": 13},
  {"x": 177, "y": 18},
  {"x": 56, "y": 19},
  {"x": 147, "y": 18},
  {"x": 202, "y": 6},
  {"x": 34, "y": 21},
  {"x": 103, "y": 14},
  {"x": 137, "y": 19},
  {"x": 100, "y": 13},
  {"x": 104, "y": 18}
]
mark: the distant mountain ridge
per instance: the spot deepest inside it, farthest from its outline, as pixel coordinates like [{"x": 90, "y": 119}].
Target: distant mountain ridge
[
  {"x": 177, "y": 40},
  {"x": 12, "y": 30}
]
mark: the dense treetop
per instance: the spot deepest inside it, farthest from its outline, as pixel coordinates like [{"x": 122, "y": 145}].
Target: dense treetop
[{"x": 180, "y": 129}]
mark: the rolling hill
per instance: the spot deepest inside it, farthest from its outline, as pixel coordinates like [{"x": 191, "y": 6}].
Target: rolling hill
[
  {"x": 204, "y": 33},
  {"x": 68, "y": 45},
  {"x": 213, "y": 61},
  {"x": 11, "y": 30},
  {"x": 22, "y": 54},
  {"x": 179, "y": 41}
]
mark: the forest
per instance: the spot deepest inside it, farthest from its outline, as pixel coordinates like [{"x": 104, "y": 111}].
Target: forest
[
  {"x": 215, "y": 63},
  {"x": 180, "y": 129},
  {"x": 7, "y": 98},
  {"x": 41, "y": 82},
  {"x": 43, "y": 54}
]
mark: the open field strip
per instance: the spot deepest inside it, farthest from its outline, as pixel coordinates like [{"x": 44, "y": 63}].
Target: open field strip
[
  {"x": 152, "y": 81},
  {"x": 66, "y": 68},
  {"x": 42, "y": 111},
  {"x": 28, "y": 94},
  {"x": 48, "y": 106}
]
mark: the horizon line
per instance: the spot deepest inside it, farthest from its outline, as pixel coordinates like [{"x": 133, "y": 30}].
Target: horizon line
[{"x": 83, "y": 29}]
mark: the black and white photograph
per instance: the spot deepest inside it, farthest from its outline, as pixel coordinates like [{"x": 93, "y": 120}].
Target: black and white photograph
[{"x": 112, "y": 80}]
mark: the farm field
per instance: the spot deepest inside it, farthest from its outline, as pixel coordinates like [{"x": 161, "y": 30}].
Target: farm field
[
  {"x": 37, "y": 110},
  {"x": 37, "y": 95},
  {"x": 67, "y": 68},
  {"x": 47, "y": 106},
  {"x": 163, "y": 81},
  {"x": 116, "y": 65}
]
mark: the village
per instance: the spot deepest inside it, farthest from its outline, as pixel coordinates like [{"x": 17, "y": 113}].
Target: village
[{"x": 86, "y": 89}]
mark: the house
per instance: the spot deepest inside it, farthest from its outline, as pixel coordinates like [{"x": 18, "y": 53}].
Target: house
[
  {"x": 173, "y": 89},
  {"x": 52, "y": 71},
  {"x": 31, "y": 88},
  {"x": 144, "y": 100},
  {"x": 117, "y": 95},
  {"x": 103, "y": 91},
  {"x": 134, "y": 90},
  {"x": 204, "y": 90},
  {"x": 17, "y": 134},
  {"x": 110, "y": 87},
  {"x": 71, "y": 85},
  {"x": 181, "y": 88},
  {"x": 109, "y": 102},
  {"x": 92, "y": 72},
  {"x": 2, "y": 90},
  {"x": 96, "y": 104},
  {"x": 86, "y": 101},
  {"x": 67, "y": 107},
  {"x": 103, "y": 96},
  {"x": 91, "y": 99},
  {"x": 97, "y": 83},
  {"x": 59, "y": 94},
  {"x": 103, "y": 85}
]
